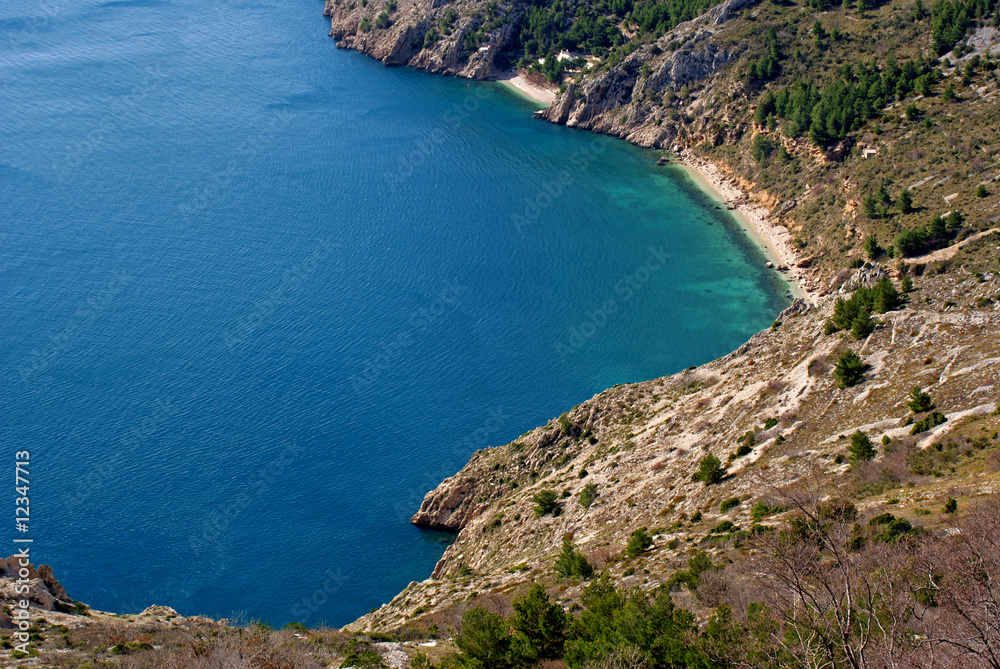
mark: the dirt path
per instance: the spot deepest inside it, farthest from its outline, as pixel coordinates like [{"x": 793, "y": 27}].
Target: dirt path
[{"x": 949, "y": 253}]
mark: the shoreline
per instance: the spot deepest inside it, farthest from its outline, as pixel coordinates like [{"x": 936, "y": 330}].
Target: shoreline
[
  {"x": 518, "y": 83},
  {"x": 772, "y": 239}
]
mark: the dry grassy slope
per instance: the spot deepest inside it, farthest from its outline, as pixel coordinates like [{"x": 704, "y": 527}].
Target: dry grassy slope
[{"x": 650, "y": 437}]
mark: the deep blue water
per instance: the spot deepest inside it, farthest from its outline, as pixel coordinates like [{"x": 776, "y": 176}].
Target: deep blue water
[{"x": 258, "y": 295}]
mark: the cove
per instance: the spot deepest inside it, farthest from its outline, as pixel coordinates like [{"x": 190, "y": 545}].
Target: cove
[{"x": 259, "y": 295}]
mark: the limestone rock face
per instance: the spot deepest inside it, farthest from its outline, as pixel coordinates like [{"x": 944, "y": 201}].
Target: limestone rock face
[
  {"x": 449, "y": 507},
  {"x": 416, "y": 35},
  {"x": 43, "y": 588},
  {"x": 619, "y": 100}
]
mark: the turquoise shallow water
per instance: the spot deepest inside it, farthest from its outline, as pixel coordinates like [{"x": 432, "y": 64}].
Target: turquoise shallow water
[{"x": 258, "y": 295}]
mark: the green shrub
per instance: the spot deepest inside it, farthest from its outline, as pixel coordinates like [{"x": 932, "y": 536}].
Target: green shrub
[
  {"x": 638, "y": 543},
  {"x": 850, "y": 369},
  {"x": 919, "y": 401},
  {"x": 565, "y": 423},
  {"x": 730, "y": 503},
  {"x": 762, "y": 510},
  {"x": 725, "y": 527},
  {"x": 770, "y": 422},
  {"x": 927, "y": 422},
  {"x": 951, "y": 506},
  {"x": 546, "y": 503},
  {"x": 572, "y": 562},
  {"x": 981, "y": 191},
  {"x": 587, "y": 495},
  {"x": 710, "y": 470},
  {"x": 697, "y": 565}
]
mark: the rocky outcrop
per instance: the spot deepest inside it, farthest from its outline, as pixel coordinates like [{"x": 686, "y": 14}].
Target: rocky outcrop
[
  {"x": 429, "y": 36},
  {"x": 459, "y": 500},
  {"x": 43, "y": 588},
  {"x": 625, "y": 102},
  {"x": 450, "y": 506}
]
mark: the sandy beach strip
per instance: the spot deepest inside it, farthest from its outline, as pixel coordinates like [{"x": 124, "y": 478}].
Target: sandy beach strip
[
  {"x": 535, "y": 89},
  {"x": 774, "y": 240}
]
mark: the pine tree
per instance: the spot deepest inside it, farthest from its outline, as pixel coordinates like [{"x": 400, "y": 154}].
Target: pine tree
[
  {"x": 872, "y": 249},
  {"x": 541, "y": 623},
  {"x": 905, "y": 202},
  {"x": 862, "y": 325},
  {"x": 861, "y": 447},
  {"x": 919, "y": 401},
  {"x": 850, "y": 369},
  {"x": 710, "y": 470},
  {"x": 572, "y": 562}
]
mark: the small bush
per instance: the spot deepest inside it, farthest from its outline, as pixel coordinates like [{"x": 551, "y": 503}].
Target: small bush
[
  {"x": 725, "y": 527},
  {"x": 565, "y": 423},
  {"x": 730, "y": 503},
  {"x": 545, "y": 503},
  {"x": 710, "y": 470},
  {"x": 850, "y": 369},
  {"x": 951, "y": 506},
  {"x": 638, "y": 543},
  {"x": 762, "y": 510},
  {"x": 927, "y": 422},
  {"x": 919, "y": 401},
  {"x": 587, "y": 495}
]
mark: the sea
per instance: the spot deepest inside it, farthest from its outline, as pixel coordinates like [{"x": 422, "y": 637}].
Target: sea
[{"x": 258, "y": 295}]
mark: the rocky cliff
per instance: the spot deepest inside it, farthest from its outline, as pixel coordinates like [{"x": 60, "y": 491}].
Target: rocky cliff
[{"x": 428, "y": 35}]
